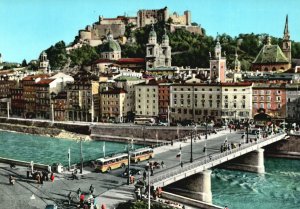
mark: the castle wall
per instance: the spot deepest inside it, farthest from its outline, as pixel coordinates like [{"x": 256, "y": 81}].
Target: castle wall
[
  {"x": 180, "y": 19},
  {"x": 85, "y": 35},
  {"x": 100, "y": 31}
]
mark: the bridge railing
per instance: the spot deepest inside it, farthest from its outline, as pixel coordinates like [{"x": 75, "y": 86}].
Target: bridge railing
[{"x": 172, "y": 172}]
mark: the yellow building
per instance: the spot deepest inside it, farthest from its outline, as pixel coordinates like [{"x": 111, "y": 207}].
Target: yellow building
[
  {"x": 216, "y": 101},
  {"x": 146, "y": 99},
  {"x": 128, "y": 84},
  {"x": 195, "y": 102},
  {"x": 112, "y": 105},
  {"x": 83, "y": 98},
  {"x": 236, "y": 101}
]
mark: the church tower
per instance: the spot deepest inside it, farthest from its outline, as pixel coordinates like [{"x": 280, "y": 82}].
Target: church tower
[
  {"x": 166, "y": 50},
  {"x": 237, "y": 63},
  {"x": 152, "y": 50},
  {"x": 218, "y": 64},
  {"x": 286, "y": 43}
]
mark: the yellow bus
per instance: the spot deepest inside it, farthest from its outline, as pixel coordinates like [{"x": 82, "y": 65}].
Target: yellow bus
[
  {"x": 144, "y": 121},
  {"x": 109, "y": 163},
  {"x": 141, "y": 154}
]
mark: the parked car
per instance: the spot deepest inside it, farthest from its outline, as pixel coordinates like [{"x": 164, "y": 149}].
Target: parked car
[
  {"x": 51, "y": 206},
  {"x": 162, "y": 124},
  {"x": 133, "y": 171}
]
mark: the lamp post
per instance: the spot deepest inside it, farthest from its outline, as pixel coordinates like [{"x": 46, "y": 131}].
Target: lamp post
[
  {"x": 7, "y": 110},
  {"x": 52, "y": 95},
  {"x": 168, "y": 115},
  {"x": 205, "y": 127},
  {"x": 69, "y": 159},
  {"x": 143, "y": 129},
  {"x": 149, "y": 199},
  {"x": 129, "y": 146},
  {"x": 235, "y": 120},
  {"x": 247, "y": 127},
  {"x": 81, "y": 157},
  {"x": 191, "y": 159}
]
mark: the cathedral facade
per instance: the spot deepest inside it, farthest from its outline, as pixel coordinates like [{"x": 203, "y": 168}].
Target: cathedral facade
[{"x": 158, "y": 55}]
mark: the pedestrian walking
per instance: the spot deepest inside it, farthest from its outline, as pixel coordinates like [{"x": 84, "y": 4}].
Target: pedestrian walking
[
  {"x": 162, "y": 164},
  {"x": 132, "y": 178},
  {"x": 152, "y": 172},
  {"x": 147, "y": 166},
  {"x": 144, "y": 175},
  {"x": 69, "y": 197},
  {"x": 37, "y": 178},
  {"x": 81, "y": 198},
  {"x": 78, "y": 192},
  {"x": 52, "y": 177},
  {"x": 92, "y": 189},
  {"x": 103, "y": 206}
]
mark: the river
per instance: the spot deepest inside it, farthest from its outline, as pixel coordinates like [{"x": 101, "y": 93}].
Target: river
[
  {"x": 47, "y": 150},
  {"x": 279, "y": 187}
]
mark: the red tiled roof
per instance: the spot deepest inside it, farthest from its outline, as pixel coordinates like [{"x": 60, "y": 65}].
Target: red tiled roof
[
  {"x": 103, "y": 61},
  {"x": 32, "y": 77},
  {"x": 45, "y": 81},
  {"x": 131, "y": 60},
  {"x": 237, "y": 84}
]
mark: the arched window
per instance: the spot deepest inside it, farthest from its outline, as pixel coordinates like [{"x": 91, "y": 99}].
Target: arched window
[
  {"x": 274, "y": 69},
  {"x": 266, "y": 69}
]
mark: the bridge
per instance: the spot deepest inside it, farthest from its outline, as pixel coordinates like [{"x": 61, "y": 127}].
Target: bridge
[{"x": 193, "y": 179}]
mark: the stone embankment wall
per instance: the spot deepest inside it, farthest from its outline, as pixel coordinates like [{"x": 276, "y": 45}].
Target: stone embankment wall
[
  {"x": 67, "y": 131},
  {"x": 288, "y": 148},
  {"x": 147, "y": 132},
  {"x": 75, "y": 128}
]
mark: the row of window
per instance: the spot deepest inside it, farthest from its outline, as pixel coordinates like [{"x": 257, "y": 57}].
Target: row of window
[
  {"x": 203, "y": 89},
  {"x": 268, "y": 98},
  {"x": 268, "y": 92},
  {"x": 268, "y": 106}
]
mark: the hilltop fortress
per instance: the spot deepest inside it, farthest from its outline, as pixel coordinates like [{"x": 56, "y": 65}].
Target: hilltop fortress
[{"x": 94, "y": 34}]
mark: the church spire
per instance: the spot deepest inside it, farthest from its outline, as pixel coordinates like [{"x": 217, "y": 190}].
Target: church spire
[{"x": 286, "y": 33}]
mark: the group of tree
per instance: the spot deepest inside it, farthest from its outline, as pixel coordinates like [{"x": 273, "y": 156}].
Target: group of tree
[{"x": 188, "y": 49}]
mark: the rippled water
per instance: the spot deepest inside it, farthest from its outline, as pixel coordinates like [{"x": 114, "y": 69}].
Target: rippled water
[
  {"x": 49, "y": 150},
  {"x": 278, "y": 188}
]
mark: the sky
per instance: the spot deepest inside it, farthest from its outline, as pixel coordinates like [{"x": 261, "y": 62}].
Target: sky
[{"x": 30, "y": 26}]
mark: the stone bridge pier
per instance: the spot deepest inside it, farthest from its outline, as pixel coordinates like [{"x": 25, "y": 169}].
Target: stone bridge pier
[
  {"x": 251, "y": 162},
  {"x": 197, "y": 186}
]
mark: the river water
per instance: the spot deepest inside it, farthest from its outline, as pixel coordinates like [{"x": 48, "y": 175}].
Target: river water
[
  {"x": 49, "y": 150},
  {"x": 279, "y": 187}
]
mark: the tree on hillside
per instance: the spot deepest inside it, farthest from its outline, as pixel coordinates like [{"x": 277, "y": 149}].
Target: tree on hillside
[
  {"x": 57, "y": 55},
  {"x": 24, "y": 63},
  {"x": 84, "y": 55}
]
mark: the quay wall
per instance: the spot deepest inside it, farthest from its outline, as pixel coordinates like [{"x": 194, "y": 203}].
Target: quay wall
[
  {"x": 286, "y": 148},
  {"x": 42, "y": 127},
  {"x": 150, "y": 133}
]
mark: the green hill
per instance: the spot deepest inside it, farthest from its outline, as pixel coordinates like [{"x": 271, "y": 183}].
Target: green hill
[{"x": 187, "y": 49}]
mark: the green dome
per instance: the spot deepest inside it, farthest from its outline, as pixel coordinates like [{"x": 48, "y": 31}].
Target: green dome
[
  {"x": 111, "y": 46},
  {"x": 152, "y": 33},
  {"x": 165, "y": 37}
]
